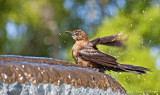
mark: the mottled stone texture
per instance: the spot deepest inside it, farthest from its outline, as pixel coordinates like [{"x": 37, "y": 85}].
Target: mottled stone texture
[{"x": 36, "y": 70}]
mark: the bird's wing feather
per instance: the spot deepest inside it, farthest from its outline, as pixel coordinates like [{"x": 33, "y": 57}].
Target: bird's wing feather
[
  {"x": 112, "y": 40},
  {"x": 95, "y": 56},
  {"x": 95, "y": 41}
]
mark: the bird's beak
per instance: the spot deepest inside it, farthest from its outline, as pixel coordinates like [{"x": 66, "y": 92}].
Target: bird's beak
[{"x": 69, "y": 32}]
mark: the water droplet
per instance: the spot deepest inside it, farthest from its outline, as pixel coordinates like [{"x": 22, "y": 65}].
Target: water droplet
[
  {"x": 143, "y": 11},
  {"x": 29, "y": 75},
  {"x": 17, "y": 68},
  {"x": 25, "y": 73},
  {"x": 39, "y": 68},
  {"x": 5, "y": 76},
  {"x": 21, "y": 78},
  {"x": 116, "y": 74},
  {"x": 22, "y": 66},
  {"x": 132, "y": 58},
  {"x": 58, "y": 82},
  {"x": 34, "y": 81},
  {"x": 69, "y": 76}
]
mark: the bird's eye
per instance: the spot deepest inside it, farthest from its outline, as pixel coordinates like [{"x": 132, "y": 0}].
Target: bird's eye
[{"x": 77, "y": 34}]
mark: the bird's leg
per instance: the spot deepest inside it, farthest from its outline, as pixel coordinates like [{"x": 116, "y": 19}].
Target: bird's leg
[
  {"x": 96, "y": 69},
  {"x": 101, "y": 70}
]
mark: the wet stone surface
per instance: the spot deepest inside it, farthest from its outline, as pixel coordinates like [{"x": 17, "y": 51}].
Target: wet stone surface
[{"x": 16, "y": 71}]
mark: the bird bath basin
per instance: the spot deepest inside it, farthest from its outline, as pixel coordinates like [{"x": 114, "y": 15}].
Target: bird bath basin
[{"x": 24, "y": 75}]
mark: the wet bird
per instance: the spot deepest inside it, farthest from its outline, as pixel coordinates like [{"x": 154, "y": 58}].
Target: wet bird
[{"x": 86, "y": 53}]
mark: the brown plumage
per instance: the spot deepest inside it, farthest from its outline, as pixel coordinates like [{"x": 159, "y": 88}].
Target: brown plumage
[{"x": 86, "y": 53}]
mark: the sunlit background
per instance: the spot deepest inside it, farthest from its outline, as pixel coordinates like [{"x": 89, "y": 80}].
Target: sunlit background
[{"x": 36, "y": 28}]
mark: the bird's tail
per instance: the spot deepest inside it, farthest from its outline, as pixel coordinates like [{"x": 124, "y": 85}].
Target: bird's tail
[{"x": 133, "y": 69}]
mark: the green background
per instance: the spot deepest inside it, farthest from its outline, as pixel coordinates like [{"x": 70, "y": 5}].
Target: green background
[{"x": 36, "y": 28}]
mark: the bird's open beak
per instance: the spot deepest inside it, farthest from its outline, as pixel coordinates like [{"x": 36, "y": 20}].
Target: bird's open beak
[{"x": 69, "y": 32}]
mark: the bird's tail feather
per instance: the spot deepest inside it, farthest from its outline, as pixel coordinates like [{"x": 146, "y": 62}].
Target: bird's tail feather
[{"x": 133, "y": 69}]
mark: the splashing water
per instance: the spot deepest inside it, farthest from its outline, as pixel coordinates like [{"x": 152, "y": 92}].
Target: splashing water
[{"x": 51, "y": 89}]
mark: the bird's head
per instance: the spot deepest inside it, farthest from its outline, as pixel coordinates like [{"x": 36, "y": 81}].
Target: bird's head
[{"x": 78, "y": 35}]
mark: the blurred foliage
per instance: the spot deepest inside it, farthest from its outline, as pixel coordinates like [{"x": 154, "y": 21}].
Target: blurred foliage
[
  {"x": 34, "y": 39},
  {"x": 36, "y": 28}
]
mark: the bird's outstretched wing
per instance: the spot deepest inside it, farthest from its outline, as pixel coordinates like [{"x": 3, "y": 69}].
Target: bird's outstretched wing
[
  {"x": 112, "y": 40},
  {"x": 95, "y": 56}
]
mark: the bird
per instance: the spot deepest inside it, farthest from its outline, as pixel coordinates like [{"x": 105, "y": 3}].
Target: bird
[{"x": 86, "y": 53}]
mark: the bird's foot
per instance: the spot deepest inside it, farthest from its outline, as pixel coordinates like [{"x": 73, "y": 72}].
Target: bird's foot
[{"x": 95, "y": 69}]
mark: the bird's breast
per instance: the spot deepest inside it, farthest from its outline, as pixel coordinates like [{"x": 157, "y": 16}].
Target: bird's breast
[
  {"x": 77, "y": 46},
  {"x": 75, "y": 49}
]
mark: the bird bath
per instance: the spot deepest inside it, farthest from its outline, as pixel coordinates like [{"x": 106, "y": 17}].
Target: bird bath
[{"x": 24, "y": 75}]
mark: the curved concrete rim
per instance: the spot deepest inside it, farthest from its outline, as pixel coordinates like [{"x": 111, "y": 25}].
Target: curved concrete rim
[{"x": 36, "y": 70}]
